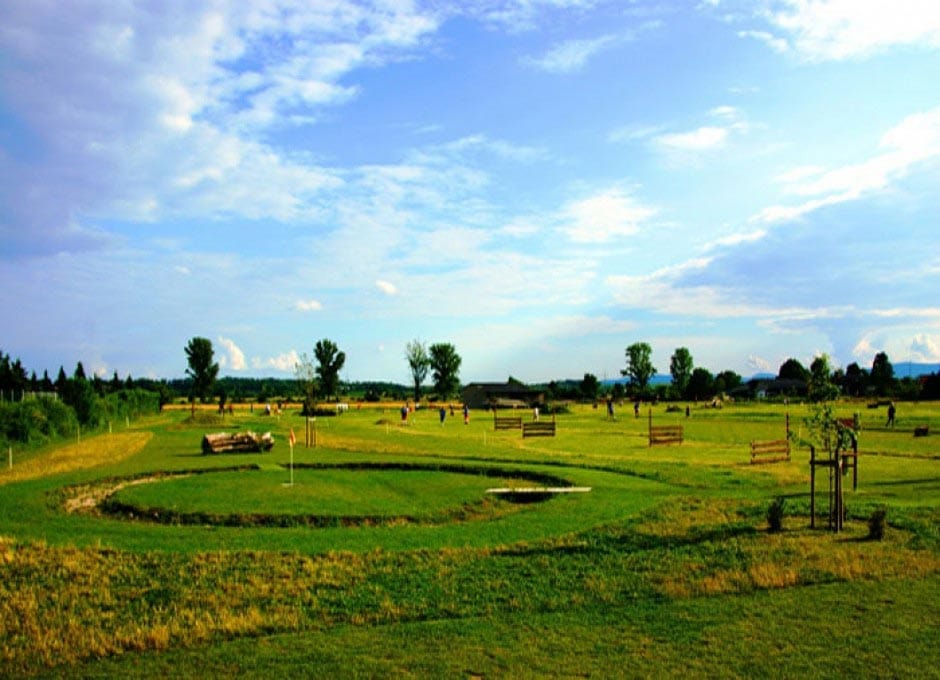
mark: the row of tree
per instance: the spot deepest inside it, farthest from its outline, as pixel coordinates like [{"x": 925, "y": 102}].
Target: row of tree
[
  {"x": 819, "y": 382},
  {"x": 318, "y": 377}
]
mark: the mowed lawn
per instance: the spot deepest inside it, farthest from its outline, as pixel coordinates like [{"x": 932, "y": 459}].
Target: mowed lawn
[{"x": 143, "y": 557}]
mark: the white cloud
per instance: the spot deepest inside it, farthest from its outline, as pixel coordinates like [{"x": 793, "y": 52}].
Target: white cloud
[
  {"x": 630, "y": 133},
  {"x": 235, "y": 358},
  {"x": 925, "y": 347},
  {"x": 285, "y": 362},
  {"x": 572, "y": 55},
  {"x": 145, "y": 113},
  {"x": 666, "y": 292},
  {"x": 386, "y": 287},
  {"x": 772, "y": 41},
  {"x": 731, "y": 240},
  {"x": 821, "y": 30},
  {"x": 519, "y": 15},
  {"x": 604, "y": 216},
  {"x": 308, "y": 305},
  {"x": 701, "y": 139},
  {"x": 760, "y": 364},
  {"x": 914, "y": 140}
]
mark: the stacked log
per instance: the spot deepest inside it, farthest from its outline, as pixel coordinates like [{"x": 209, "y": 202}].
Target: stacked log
[{"x": 240, "y": 442}]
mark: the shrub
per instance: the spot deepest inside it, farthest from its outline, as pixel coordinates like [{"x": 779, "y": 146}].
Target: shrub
[
  {"x": 876, "y": 524},
  {"x": 775, "y": 515}
]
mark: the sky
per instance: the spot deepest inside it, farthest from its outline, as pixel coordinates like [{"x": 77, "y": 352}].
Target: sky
[{"x": 540, "y": 183}]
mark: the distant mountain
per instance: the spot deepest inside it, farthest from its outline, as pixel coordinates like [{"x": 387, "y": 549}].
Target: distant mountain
[
  {"x": 902, "y": 369},
  {"x": 658, "y": 379},
  {"x": 912, "y": 369}
]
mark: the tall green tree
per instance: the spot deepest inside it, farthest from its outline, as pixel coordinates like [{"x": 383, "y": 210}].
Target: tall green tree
[
  {"x": 791, "y": 369},
  {"x": 821, "y": 387},
  {"x": 701, "y": 384},
  {"x": 306, "y": 374},
  {"x": 726, "y": 381},
  {"x": 445, "y": 369},
  {"x": 680, "y": 367},
  {"x": 855, "y": 381},
  {"x": 202, "y": 369},
  {"x": 590, "y": 386},
  {"x": 882, "y": 375},
  {"x": 330, "y": 361},
  {"x": 419, "y": 362},
  {"x": 640, "y": 367}
]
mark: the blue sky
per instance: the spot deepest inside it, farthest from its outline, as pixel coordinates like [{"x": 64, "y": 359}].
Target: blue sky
[{"x": 539, "y": 182}]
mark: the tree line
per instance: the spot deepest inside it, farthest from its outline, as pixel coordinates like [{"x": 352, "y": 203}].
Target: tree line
[{"x": 91, "y": 401}]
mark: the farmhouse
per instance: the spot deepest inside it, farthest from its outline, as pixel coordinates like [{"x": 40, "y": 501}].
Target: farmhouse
[{"x": 500, "y": 395}]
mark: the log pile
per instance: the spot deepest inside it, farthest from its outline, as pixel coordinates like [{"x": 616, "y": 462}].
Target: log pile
[{"x": 240, "y": 442}]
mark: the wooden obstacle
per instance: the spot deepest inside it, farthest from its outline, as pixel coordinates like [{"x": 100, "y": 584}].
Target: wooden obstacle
[
  {"x": 240, "y": 442},
  {"x": 921, "y": 430},
  {"x": 771, "y": 451},
  {"x": 664, "y": 434},
  {"x": 539, "y": 428},
  {"x": 506, "y": 422}
]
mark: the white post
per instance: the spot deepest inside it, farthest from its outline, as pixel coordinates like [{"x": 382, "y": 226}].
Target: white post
[
  {"x": 109, "y": 428},
  {"x": 127, "y": 422}
]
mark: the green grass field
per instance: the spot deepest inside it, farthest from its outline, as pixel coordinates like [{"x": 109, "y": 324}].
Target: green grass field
[{"x": 132, "y": 554}]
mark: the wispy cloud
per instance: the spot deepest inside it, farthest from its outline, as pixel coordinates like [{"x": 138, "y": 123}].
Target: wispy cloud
[
  {"x": 520, "y": 15},
  {"x": 914, "y": 140},
  {"x": 843, "y": 29},
  {"x": 386, "y": 287},
  {"x": 572, "y": 55},
  {"x": 700, "y": 139},
  {"x": 152, "y": 114},
  {"x": 729, "y": 120},
  {"x": 605, "y": 215},
  {"x": 309, "y": 305}
]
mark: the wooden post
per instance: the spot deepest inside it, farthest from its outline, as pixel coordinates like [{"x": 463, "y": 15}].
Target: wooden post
[
  {"x": 812, "y": 487},
  {"x": 838, "y": 477}
]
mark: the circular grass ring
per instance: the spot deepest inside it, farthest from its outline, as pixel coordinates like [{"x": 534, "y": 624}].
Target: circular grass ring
[{"x": 202, "y": 499}]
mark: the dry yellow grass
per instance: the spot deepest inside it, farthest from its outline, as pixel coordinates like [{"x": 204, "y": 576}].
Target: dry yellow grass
[{"x": 100, "y": 450}]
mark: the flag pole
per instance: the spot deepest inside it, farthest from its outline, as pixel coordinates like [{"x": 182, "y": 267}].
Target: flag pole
[{"x": 292, "y": 440}]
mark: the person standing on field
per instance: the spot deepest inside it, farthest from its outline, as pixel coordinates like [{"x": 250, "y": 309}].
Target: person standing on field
[{"x": 891, "y": 413}]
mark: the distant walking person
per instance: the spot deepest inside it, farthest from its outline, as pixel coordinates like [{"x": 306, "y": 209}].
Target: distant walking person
[
  {"x": 610, "y": 408},
  {"x": 466, "y": 414},
  {"x": 442, "y": 412},
  {"x": 891, "y": 414}
]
